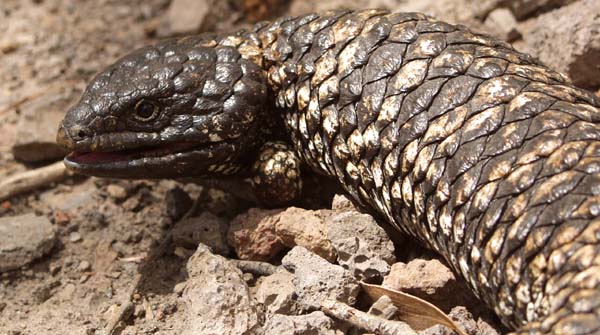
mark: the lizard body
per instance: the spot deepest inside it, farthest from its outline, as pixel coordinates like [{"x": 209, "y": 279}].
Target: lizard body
[{"x": 454, "y": 138}]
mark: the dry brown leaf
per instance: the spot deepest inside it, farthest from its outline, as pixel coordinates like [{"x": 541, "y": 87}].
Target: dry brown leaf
[{"x": 416, "y": 312}]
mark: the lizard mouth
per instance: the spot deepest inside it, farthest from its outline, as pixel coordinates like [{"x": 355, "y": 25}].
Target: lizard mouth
[
  {"x": 93, "y": 158},
  {"x": 161, "y": 161}
]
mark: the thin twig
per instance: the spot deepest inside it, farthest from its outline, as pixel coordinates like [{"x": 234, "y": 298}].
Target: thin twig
[
  {"x": 255, "y": 267},
  {"x": 367, "y": 322},
  {"x": 32, "y": 179}
]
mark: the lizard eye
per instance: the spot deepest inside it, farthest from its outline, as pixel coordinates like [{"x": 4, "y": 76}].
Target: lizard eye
[{"x": 145, "y": 110}]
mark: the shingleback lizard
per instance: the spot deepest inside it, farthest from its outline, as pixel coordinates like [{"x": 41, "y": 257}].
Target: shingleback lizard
[{"x": 476, "y": 150}]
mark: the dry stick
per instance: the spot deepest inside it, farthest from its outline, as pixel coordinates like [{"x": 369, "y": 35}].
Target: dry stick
[
  {"x": 255, "y": 267},
  {"x": 32, "y": 179},
  {"x": 368, "y": 322}
]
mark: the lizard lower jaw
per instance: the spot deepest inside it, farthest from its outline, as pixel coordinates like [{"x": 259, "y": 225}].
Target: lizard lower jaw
[
  {"x": 148, "y": 162},
  {"x": 127, "y": 155}
]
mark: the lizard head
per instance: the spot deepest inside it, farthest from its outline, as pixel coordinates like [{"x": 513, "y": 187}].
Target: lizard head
[{"x": 181, "y": 108}]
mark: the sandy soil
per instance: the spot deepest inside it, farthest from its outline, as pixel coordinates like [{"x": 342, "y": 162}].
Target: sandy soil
[{"x": 109, "y": 262}]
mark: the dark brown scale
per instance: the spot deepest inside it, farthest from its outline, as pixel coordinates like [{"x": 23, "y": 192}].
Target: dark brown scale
[{"x": 462, "y": 142}]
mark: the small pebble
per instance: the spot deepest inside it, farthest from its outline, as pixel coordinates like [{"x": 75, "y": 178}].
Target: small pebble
[
  {"x": 134, "y": 237},
  {"x": 75, "y": 237},
  {"x": 384, "y": 308},
  {"x": 116, "y": 192},
  {"x": 502, "y": 22},
  {"x": 248, "y": 277},
  {"x": 179, "y": 287},
  {"x": 114, "y": 274},
  {"x": 183, "y": 20},
  {"x": 62, "y": 218},
  {"x": 169, "y": 308},
  {"x": 54, "y": 268},
  {"x": 183, "y": 253},
  {"x": 83, "y": 279},
  {"x": 139, "y": 311},
  {"x": 132, "y": 204},
  {"x": 41, "y": 293},
  {"x": 84, "y": 266},
  {"x": 5, "y": 205}
]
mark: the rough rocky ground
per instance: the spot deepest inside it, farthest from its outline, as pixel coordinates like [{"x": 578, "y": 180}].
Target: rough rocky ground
[{"x": 93, "y": 256}]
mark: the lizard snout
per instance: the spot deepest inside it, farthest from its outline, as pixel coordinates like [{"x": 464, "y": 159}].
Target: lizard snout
[{"x": 67, "y": 137}]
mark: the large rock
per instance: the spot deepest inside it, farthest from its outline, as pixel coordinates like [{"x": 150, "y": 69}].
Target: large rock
[
  {"x": 362, "y": 246},
  {"x": 315, "y": 279},
  {"x": 252, "y": 234},
  {"x": 24, "y": 239},
  {"x": 306, "y": 228},
  {"x": 430, "y": 280},
  {"x": 567, "y": 40},
  {"x": 277, "y": 293},
  {"x": 217, "y": 299}
]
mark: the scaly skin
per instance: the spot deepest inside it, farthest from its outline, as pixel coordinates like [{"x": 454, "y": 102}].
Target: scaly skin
[{"x": 478, "y": 151}]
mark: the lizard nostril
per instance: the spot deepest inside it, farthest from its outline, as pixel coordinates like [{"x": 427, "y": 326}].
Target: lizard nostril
[{"x": 79, "y": 133}]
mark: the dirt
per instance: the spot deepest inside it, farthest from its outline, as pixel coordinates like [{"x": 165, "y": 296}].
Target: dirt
[{"x": 112, "y": 259}]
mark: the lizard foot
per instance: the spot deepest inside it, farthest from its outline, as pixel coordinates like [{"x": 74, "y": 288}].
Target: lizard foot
[{"x": 276, "y": 178}]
